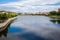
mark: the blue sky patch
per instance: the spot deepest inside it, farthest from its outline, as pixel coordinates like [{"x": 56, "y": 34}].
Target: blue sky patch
[{"x": 7, "y": 1}]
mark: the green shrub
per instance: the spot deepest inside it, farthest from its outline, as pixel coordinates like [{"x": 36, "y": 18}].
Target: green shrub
[{"x": 6, "y": 15}]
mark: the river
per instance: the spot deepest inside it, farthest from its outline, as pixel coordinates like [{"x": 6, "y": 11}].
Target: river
[{"x": 32, "y": 28}]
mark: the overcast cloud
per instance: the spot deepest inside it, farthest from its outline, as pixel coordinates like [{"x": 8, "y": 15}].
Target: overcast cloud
[{"x": 31, "y": 5}]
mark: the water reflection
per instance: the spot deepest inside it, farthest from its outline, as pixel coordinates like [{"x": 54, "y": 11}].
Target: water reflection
[
  {"x": 55, "y": 20},
  {"x": 14, "y": 29},
  {"x": 33, "y": 28},
  {"x": 4, "y": 32},
  {"x": 32, "y": 36}
]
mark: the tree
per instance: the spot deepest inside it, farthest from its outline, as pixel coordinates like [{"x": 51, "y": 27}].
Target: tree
[
  {"x": 4, "y": 16},
  {"x": 58, "y": 13},
  {"x": 53, "y": 13}
]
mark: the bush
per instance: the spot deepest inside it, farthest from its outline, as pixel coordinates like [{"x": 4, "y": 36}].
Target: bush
[{"x": 6, "y": 16}]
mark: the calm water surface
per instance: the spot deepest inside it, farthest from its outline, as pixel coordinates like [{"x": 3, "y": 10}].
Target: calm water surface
[{"x": 32, "y": 28}]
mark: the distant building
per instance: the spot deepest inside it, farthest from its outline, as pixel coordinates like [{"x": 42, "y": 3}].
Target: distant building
[
  {"x": 2, "y": 12},
  {"x": 8, "y": 12},
  {"x": 11, "y": 13},
  {"x": 59, "y": 10}
]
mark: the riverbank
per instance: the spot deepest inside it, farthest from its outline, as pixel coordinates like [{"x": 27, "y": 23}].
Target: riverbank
[
  {"x": 6, "y": 23},
  {"x": 55, "y": 16}
]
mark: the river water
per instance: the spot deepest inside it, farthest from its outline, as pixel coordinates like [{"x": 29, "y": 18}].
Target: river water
[{"x": 32, "y": 28}]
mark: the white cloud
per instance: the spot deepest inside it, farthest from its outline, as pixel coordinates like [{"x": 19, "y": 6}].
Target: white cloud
[{"x": 30, "y": 5}]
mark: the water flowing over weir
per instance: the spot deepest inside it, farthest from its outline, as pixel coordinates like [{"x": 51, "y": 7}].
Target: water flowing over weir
[{"x": 32, "y": 28}]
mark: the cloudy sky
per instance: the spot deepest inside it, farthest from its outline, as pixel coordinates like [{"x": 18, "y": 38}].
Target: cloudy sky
[{"x": 29, "y": 5}]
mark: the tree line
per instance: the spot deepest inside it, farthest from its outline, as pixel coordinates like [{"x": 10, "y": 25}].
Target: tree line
[
  {"x": 54, "y": 13},
  {"x": 7, "y": 15}
]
